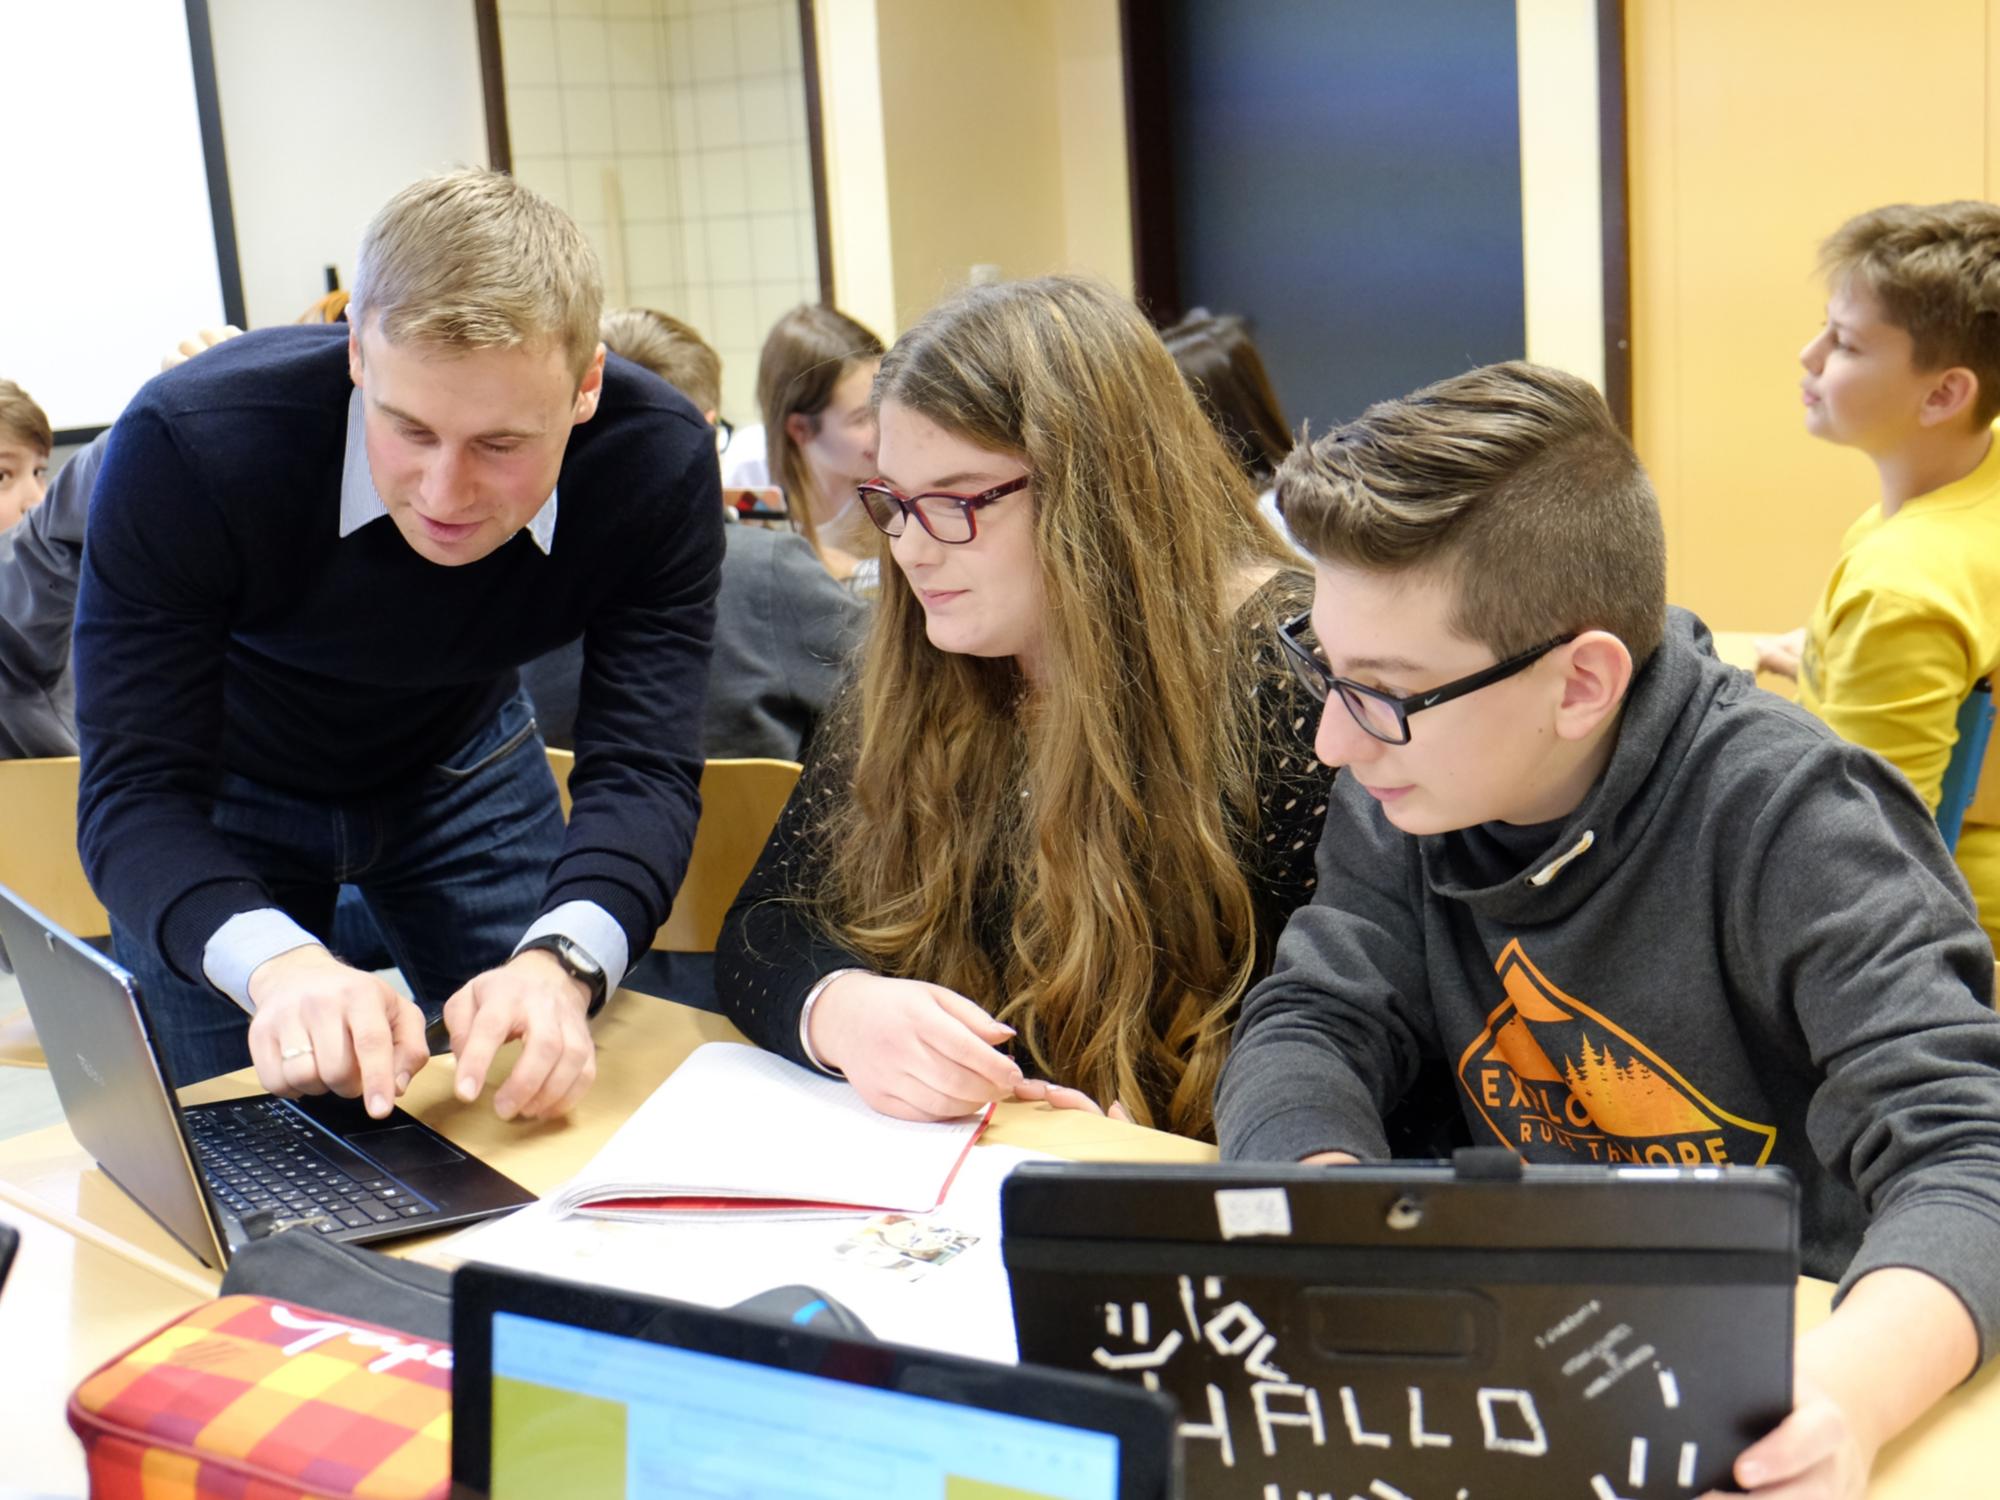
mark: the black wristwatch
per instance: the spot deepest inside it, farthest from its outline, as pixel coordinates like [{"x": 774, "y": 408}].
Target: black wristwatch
[{"x": 579, "y": 964}]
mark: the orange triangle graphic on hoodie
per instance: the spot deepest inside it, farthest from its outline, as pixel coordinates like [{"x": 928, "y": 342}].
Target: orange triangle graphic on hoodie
[{"x": 1552, "y": 1074}]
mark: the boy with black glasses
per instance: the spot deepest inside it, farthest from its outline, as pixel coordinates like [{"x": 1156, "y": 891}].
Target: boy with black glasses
[{"x": 1640, "y": 910}]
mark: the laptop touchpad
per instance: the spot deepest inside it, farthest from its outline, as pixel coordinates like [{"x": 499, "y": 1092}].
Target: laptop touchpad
[{"x": 404, "y": 1148}]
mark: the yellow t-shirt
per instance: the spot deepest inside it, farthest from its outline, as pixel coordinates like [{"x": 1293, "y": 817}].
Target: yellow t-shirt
[{"x": 1909, "y": 620}]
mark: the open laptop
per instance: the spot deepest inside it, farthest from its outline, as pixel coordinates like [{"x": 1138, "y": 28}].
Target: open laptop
[
  {"x": 1412, "y": 1330},
  {"x": 563, "y": 1389},
  {"x": 219, "y": 1175}
]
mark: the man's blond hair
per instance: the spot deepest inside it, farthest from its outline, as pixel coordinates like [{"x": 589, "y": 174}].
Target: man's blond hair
[
  {"x": 1513, "y": 485},
  {"x": 23, "y": 421},
  {"x": 474, "y": 260},
  {"x": 1935, "y": 270},
  {"x": 669, "y": 348}
]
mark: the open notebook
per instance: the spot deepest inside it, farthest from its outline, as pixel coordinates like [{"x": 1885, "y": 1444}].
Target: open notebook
[{"x": 739, "y": 1130}]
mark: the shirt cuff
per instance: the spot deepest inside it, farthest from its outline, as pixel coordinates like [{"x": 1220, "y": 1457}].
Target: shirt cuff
[
  {"x": 591, "y": 928},
  {"x": 246, "y": 940}
]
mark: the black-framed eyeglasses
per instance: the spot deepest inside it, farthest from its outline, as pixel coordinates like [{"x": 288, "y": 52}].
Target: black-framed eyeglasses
[
  {"x": 948, "y": 517},
  {"x": 1386, "y": 717},
  {"x": 724, "y": 431}
]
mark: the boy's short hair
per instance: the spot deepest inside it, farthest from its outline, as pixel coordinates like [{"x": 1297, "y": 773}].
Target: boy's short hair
[
  {"x": 669, "y": 348},
  {"x": 23, "y": 421},
  {"x": 1935, "y": 269},
  {"x": 474, "y": 260},
  {"x": 1513, "y": 483}
]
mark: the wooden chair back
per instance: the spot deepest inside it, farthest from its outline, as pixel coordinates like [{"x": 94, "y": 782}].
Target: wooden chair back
[
  {"x": 38, "y": 858},
  {"x": 39, "y": 863},
  {"x": 740, "y": 803}
]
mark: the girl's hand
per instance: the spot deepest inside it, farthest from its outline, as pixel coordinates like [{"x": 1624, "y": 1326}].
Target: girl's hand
[{"x": 916, "y": 1051}]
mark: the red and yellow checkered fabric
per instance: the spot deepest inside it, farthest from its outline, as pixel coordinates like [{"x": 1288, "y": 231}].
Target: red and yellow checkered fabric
[{"x": 250, "y": 1399}]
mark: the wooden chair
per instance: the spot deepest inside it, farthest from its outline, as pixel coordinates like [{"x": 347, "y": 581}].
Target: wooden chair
[
  {"x": 39, "y": 863},
  {"x": 740, "y": 803}
]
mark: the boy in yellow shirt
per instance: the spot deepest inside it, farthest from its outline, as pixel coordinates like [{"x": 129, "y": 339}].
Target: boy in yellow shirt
[{"x": 1907, "y": 369}]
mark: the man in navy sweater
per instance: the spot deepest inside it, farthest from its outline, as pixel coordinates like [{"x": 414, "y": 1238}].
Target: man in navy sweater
[{"x": 316, "y": 557}]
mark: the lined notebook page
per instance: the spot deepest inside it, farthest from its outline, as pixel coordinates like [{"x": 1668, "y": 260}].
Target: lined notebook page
[{"x": 739, "y": 1122}]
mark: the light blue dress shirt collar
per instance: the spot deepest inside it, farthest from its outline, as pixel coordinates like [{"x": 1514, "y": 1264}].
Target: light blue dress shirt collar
[{"x": 360, "y": 503}]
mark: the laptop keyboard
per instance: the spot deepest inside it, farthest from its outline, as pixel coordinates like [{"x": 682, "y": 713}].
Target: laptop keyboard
[{"x": 260, "y": 1155}]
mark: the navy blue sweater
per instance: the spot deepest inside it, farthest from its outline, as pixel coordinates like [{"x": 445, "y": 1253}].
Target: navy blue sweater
[{"x": 224, "y": 625}]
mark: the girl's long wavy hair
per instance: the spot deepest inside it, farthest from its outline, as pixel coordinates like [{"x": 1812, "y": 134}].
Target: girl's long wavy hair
[{"x": 1069, "y": 857}]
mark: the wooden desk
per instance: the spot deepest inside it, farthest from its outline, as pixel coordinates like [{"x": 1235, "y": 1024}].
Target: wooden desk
[
  {"x": 103, "y": 1272},
  {"x": 68, "y": 1306}
]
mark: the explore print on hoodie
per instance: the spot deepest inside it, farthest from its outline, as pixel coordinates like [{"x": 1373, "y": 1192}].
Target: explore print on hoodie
[{"x": 1747, "y": 946}]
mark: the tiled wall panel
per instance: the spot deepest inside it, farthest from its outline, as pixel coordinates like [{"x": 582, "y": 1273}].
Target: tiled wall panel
[{"x": 674, "y": 132}]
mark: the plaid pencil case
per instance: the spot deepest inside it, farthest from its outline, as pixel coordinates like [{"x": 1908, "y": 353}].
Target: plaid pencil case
[{"x": 247, "y": 1398}]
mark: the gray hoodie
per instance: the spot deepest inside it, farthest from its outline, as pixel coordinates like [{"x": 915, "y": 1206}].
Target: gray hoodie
[{"x": 1748, "y": 945}]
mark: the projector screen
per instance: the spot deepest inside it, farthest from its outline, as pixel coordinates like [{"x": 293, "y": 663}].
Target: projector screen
[{"x": 121, "y": 242}]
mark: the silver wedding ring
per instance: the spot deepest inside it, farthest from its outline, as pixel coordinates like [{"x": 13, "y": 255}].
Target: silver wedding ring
[{"x": 291, "y": 1052}]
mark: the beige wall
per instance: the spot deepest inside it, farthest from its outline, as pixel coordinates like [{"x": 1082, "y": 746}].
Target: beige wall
[
  {"x": 989, "y": 135},
  {"x": 1755, "y": 130}
]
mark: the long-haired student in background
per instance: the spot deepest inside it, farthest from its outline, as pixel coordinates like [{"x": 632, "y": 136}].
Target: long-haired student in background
[
  {"x": 1050, "y": 834},
  {"x": 813, "y": 382}
]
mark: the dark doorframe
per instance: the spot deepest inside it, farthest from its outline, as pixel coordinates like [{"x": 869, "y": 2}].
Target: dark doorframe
[
  {"x": 1615, "y": 210},
  {"x": 816, "y": 147},
  {"x": 493, "y": 84},
  {"x": 1156, "y": 271}
]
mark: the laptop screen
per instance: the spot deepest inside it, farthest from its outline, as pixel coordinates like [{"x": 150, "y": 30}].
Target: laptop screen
[
  {"x": 653, "y": 1420},
  {"x": 562, "y": 1389}
]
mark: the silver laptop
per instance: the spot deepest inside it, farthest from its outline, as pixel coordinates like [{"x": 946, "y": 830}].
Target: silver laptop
[{"x": 217, "y": 1176}]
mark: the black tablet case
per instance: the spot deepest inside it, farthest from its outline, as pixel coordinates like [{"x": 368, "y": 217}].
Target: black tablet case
[{"x": 1408, "y": 1333}]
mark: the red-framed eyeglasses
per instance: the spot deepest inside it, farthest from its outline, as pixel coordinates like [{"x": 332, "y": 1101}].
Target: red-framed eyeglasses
[{"x": 948, "y": 517}]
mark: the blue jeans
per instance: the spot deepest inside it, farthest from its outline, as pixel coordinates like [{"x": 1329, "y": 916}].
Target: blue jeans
[{"x": 452, "y": 863}]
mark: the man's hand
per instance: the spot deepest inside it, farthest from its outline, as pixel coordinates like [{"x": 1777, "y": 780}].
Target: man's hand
[
  {"x": 1330, "y": 1159},
  {"x": 196, "y": 343},
  {"x": 535, "y": 998},
  {"x": 916, "y": 1051},
  {"x": 322, "y": 1027}
]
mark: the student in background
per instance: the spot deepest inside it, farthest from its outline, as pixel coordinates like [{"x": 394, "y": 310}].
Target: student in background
[
  {"x": 314, "y": 562},
  {"x": 37, "y": 716},
  {"x": 1907, "y": 370},
  {"x": 26, "y": 441},
  {"x": 813, "y": 382},
  {"x": 1636, "y": 909},
  {"x": 783, "y": 627},
  {"x": 1053, "y": 829},
  {"x": 40, "y": 559},
  {"x": 1222, "y": 365}
]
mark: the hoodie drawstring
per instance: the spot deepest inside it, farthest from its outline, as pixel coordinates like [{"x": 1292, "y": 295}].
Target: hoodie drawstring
[{"x": 1553, "y": 868}]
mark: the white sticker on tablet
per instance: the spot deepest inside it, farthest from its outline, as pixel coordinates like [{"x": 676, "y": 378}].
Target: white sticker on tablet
[{"x": 1242, "y": 1212}]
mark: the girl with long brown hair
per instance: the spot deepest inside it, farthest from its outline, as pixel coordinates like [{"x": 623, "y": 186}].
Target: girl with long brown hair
[
  {"x": 813, "y": 382},
  {"x": 1050, "y": 833}
]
